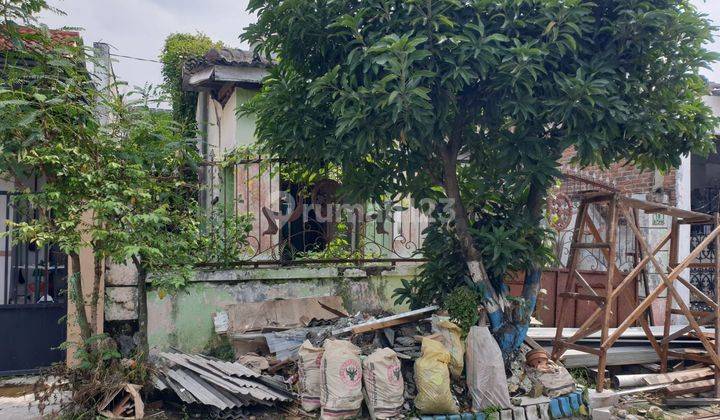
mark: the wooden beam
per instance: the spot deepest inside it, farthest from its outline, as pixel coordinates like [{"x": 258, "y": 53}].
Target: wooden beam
[
  {"x": 667, "y": 210},
  {"x": 585, "y": 283},
  {"x": 690, "y": 387},
  {"x": 691, "y": 402},
  {"x": 580, "y": 221},
  {"x": 717, "y": 305},
  {"x": 610, "y": 234},
  {"x": 645, "y": 304},
  {"x": 667, "y": 280}
]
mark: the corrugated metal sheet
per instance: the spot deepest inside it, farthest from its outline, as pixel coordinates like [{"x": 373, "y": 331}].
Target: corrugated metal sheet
[{"x": 208, "y": 381}]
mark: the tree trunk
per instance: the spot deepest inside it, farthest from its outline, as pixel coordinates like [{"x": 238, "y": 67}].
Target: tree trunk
[
  {"x": 78, "y": 298},
  {"x": 494, "y": 303},
  {"x": 97, "y": 281},
  {"x": 514, "y": 333},
  {"x": 509, "y": 325},
  {"x": 143, "y": 346}
]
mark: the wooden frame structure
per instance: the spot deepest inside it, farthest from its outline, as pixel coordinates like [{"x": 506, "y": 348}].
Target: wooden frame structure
[{"x": 615, "y": 208}]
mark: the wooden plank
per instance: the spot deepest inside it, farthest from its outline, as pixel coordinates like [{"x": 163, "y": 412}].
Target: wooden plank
[
  {"x": 677, "y": 377},
  {"x": 389, "y": 321},
  {"x": 691, "y": 402},
  {"x": 690, "y": 387},
  {"x": 667, "y": 210}
]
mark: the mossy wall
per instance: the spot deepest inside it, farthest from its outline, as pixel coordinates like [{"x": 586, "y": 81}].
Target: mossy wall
[{"x": 184, "y": 320}]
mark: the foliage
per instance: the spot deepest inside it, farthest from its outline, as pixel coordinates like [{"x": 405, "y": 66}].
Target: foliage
[
  {"x": 339, "y": 246},
  {"x": 116, "y": 173},
  {"x": 179, "y": 48},
  {"x": 462, "y": 306},
  {"x": 475, "y": 101},
  {"x": 225, "y": 236},
  {"x": 506, "y": 249}
]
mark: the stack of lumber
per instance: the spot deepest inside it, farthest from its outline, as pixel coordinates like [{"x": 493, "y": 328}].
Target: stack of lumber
[{"x": 224, "y": 385}]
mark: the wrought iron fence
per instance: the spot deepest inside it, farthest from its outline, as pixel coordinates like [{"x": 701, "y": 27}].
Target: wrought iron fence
[
  {"x": 705, "y": 200},
  {"x": 563, "y": 205},
  {"x": 302, "y": 223},
  {"x": 294, "y": 223}
]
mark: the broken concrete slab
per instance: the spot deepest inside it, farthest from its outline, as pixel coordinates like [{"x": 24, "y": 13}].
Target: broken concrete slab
[
  {"x": 602, "y": 413},
  {"x": 602, "y": 399}
]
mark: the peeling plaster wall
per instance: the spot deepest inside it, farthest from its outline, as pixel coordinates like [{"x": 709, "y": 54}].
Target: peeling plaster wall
[{"x": 184, "y": 320}]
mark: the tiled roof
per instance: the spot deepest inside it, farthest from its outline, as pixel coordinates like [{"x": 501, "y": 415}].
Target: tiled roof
[
  {"x": 229, "y": 57},
  {"x": 70, "y": 38}
]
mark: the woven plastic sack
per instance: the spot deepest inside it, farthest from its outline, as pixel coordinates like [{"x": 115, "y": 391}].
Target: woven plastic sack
[
  {"x": 432, "y": 378},
  {"x": 450, "y": 334},
  {"x": 310, "y": 358},
  {"x": 486, "y": 380},
  {"x": 341, "y": 392},
  {"x": 384, "y": 386}
]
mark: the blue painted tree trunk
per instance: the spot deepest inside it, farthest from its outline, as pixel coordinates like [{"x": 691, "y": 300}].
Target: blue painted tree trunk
[{"x": 510, "y": 330}]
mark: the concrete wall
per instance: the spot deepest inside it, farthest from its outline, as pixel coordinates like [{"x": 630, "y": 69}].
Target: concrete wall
[{"x": 184, "y": 320}]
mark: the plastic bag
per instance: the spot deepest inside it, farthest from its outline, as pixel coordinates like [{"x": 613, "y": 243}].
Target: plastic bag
[
  {"x": 310, "y": 358},
  {"x": 384, "y": 386},
  {"x": 450, "y": 333},
  {"x": 486, "y": 380},
  {"x": 341, "y": 392},
  {"x": 432, "y": 378}
]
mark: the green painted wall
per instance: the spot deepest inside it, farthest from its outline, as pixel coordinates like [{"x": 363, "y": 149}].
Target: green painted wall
[
  {"x": 184, "y": 320},
  {"x": 245, "y": 132}
]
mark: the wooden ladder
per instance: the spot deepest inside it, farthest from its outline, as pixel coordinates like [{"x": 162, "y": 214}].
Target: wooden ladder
[{"x": 606, "y": 299}]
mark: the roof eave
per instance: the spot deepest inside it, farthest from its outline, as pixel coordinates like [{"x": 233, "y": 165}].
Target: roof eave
[{"x": 208, "y": 77}]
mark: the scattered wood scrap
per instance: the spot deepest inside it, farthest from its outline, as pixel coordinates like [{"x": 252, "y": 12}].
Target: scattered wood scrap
[
  {"x": 690, "y": 387},
  {"x": 224, "y": 385},
  {"x": 678, "y": 377},
  {"x": 123, "y": 403},
  {"x": 389, "y": 321},
  {"x": 691, "y": 402}
]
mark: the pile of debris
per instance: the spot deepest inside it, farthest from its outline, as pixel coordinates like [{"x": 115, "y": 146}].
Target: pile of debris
[
  {"x": 635, "y": 379},
  {"x": 376, "y": 363}
]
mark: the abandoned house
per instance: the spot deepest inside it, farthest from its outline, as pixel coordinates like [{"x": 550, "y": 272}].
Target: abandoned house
[{"x": 286, "y": 258}]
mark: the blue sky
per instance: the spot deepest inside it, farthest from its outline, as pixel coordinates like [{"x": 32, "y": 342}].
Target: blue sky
[{"x": 138, "y": 27}]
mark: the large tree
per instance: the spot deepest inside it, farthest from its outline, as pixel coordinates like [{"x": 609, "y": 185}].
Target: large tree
[{"x": 475, "y": 101}]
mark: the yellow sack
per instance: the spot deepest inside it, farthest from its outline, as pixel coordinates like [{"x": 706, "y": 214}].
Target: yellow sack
[
  {"x": 432, "y": 378},
  {"x": 450, "y": 333}
]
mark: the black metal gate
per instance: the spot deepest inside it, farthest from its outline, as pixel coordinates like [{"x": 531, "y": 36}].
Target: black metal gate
[
  {"x": 703, "y": 278},
  {"x": 33, "y": 302}
]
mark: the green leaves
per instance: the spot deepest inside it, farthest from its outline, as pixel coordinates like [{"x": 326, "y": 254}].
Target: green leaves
[{"x": 383, "y": 90}]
